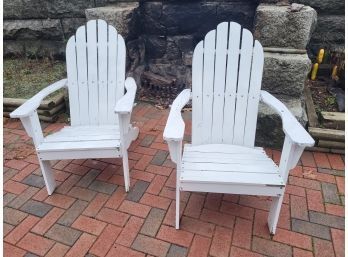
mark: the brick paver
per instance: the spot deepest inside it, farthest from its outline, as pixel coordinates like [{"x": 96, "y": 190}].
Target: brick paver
[{"x": 89, "y": 214}]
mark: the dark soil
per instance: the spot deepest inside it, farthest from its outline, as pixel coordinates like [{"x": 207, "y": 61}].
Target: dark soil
[{"x": 323, "y": 100}]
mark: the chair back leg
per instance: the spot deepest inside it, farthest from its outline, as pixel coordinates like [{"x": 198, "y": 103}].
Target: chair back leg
[
  {"x": 125, "y": 169},
  {"x": 274, "y": 212},
  {"x": 178, "y": 147},
  {"x": 47, "y": 175},
  {"x": 177, "y": 207}
]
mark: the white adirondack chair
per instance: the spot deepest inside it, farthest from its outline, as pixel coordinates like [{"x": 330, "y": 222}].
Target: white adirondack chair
[
  {"x": 100, "y": 111},
  {"x": 226, "y": 89}
]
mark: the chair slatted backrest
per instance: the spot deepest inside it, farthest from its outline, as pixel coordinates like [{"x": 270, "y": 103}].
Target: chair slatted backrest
[
  {"x": 227, "y": 71},
  {"x": 96, "y": 61}
]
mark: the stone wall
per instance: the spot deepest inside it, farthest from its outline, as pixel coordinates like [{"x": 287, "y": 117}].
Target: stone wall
[
  {"x": 161, "y": 35},
  {"x": 40, "y": 28}
]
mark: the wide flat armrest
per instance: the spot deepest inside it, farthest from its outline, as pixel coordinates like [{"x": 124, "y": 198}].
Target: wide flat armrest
[
  {"x": 175, "y": 127},
  {"x": 33, "y": 103},
  {"x": 291, "y": 127},
  {"x": 125, "y": 104}
]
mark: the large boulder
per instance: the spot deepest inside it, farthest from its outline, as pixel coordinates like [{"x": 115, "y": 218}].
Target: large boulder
[
  {"x": 279, "y": 26},
  {"x": 285, "y": 74},
  {"x": 122, "y": 16},
  {"x": 49, "y": 29}
]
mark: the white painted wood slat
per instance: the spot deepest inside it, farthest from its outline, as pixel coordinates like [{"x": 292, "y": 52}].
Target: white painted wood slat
[
  {"x": 121, "y": 67},
  {"x": 89, "y": 130},
  {"x": 254, "y": 95},
  {"x": 84, "y": 133},
  {"x": 239, "y": 189},
  {"x": 258, "y": 167},
  {"x": 81, "y": 154},
  {"x": 219, "y": 82},
  {"x": 222, "y": 156},
  {"x": 92, "y": 65},
  {"x": 73, "y": 87},
  {"x": 231, "y": 178},
  {"x": 208, "y": 85},
  {"x": 82, "y": 145},
  {"x": 112, "y": 71},
  {"x": 223, "y": 148},
  {"x": 103, "y": 71},
  {"x": 243, "y": 87},
  {"x": 231, "y": 81},
  {"x": 197, "y": 94},
  {"x": 78, "y": 138},
  {"x": 81, "y": 57}
]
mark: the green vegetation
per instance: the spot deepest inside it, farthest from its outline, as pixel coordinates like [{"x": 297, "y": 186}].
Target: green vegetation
[
  {"x": 330, "y": 100},
  {"x": 23, "y": 78}
]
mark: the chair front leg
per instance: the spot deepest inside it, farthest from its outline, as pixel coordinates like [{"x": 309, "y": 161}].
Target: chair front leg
[
  {"x": 175, "y": 149},
  {"x": 48, "y": 175},
  {"x": 32, "y": 126},
  {"x": 291, "y": 153},
  {"x": 128, "y": 133}
]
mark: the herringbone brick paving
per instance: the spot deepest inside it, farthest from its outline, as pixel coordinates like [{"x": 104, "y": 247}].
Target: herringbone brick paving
[{"x": 90, "y": 214}]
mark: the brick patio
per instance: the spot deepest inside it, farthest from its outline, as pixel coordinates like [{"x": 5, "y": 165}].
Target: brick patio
[{"x": 90, "y": 214}]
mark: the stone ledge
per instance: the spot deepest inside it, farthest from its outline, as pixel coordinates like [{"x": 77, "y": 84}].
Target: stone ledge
[
  {"x": 324, "y": 6},
  {"x": 29, "y": 9},
  {"x": 33, "y": 29}
]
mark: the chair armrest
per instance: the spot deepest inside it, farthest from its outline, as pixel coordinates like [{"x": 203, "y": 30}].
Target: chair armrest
[
  {"x": 33, "y": 103},
  {"x": 175, "y": 127},
  {"x": 291, "y": 127},
  {"x": 125, "y": 104}
]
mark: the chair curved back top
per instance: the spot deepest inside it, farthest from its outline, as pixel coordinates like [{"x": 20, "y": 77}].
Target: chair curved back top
[
  {"x": 96, "y": 61},
  {"x": 227, "y": 71}
]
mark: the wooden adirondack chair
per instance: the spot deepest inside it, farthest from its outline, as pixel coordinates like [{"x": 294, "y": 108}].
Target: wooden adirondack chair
[
  {"x": 100, "y": 111},
  {"x": 226, "y": 89}
]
